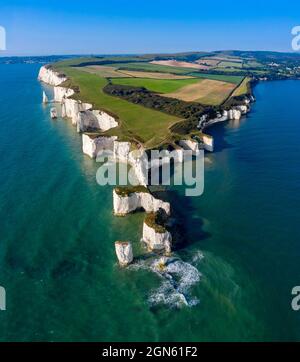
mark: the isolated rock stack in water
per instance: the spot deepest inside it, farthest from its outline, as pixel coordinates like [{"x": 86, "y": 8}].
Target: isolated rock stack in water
[{"x": 124, "y": 252}]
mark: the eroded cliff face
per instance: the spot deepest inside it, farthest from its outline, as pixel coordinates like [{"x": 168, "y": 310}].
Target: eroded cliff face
[
  {"x": 70, "y": 108},
  {"x": 208, "y": 142},
  {"x": 80, "y": 113},
  {"x": 157, "y": 241},
  {"x": 234, "y": 114},
  {"x": 95, "y": 120},
  {"x": 243, "y": 109},
  {"x": 91, "y": 146},
  {"x": 138, "y": 200},
  {"x": 190, "y": 145},
  {"x": 124, "y": 252},
  {"x": 61, "y": 92},
  {"x": 49, "y": 76}
]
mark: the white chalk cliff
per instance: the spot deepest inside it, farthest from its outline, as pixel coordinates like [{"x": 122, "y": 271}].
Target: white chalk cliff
[
  {"x": 208, "y": 142},
  {"x": 138, "y": 200},
  {"x": 95, "y": 120},
  {"x": 51, "y": 77},
  {"x": 61, "y": 92},
  {"x": 80, "y": 113},
  {"x": 124, "y": 252},
  {"x": 91, "y": 146},
  {"x": 190, "y": 145},
  {"x": 157, "y": 241}
]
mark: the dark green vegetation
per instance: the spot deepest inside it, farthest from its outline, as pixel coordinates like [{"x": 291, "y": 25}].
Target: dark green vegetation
[
  {"x": 128, "y": 190},
  {"x": 188, "y": 110},
  {"x": 157, "y": 221}
]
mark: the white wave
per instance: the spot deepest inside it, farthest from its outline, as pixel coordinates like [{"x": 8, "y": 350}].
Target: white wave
[
  {"x": 177, "y": 279},
  {"x": 197, "y": 257}
]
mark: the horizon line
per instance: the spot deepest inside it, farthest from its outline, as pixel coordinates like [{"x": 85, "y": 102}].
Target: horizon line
[{"x": 151, "y": 53}]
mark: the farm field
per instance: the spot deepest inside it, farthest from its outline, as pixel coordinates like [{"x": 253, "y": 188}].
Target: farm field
[
  {"x": 227, "y": 58},
  {"x": 154, "y": 75},
  {"x": 144, "y": 66},
  {"x": 104, "y": 71},
  {"x": 209, "y": 92},
  {"x": 208, "y": 62},
  {"x": 176, "y": 63},
  {"x": 157, "y": 85},
  {"x": 147, "y": 126},
  {"x": 235, "y": 79},
  {"x": 225, "y": 64}
]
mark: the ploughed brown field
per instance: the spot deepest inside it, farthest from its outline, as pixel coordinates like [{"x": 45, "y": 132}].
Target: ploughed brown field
[
  {"x": 206, "y": 91},
  {"x": 175, "y": 63}
]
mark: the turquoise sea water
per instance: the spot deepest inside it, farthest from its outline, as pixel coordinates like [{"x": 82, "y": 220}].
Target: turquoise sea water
[{"x": 242, "y": 246}]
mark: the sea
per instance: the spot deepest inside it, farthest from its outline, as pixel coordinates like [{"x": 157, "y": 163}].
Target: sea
[{"x": 231, "y": 278}]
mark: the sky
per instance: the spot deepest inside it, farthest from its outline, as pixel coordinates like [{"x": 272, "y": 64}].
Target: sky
[{"x": 157, "y": 26}]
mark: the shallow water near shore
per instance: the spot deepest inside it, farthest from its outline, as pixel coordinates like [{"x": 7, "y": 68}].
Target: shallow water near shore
[{"x": 232, "y": 278}]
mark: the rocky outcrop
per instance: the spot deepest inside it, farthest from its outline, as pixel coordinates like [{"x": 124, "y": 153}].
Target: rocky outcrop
[
  {"x": 190, "y": 145},
  {"x": 234, "y": 114},
  {"x": 92, "y": 145},
  {"x": 242, "y": 108},
  {"x": 123, "y": 153},
  {"x": 95, "y": 120},
  {"x": 131, "y": 201},
  {"x": 45, "y": 98},
  {"x": 122, "y": 150},
  {"x": 157, "y": 240},
  {"x": 61, "y": 92},
  {"x": 124, "y": 252},
  {"x": 71, "y": 107},
  {"x": 208, "y": 142},
  {"x": 53, "y": 113},
  {"x": 51, "y": 77}
]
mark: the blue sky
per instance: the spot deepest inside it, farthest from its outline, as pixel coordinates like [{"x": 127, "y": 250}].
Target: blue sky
[{"x": 84, "y": 27}]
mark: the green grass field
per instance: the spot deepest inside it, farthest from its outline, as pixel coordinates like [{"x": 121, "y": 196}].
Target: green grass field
[
  {"x": 145, "y": 125},
  {"x": 152, "y": 67},
  {"x": 226, "y": 64},
  {"x": 156, "y": 85},
  {"x": 235, "y": 79},
  {"x": 243, "y": 88}
]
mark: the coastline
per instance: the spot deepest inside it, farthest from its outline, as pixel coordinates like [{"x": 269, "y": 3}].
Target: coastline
[{"x": 85, "y": 118}]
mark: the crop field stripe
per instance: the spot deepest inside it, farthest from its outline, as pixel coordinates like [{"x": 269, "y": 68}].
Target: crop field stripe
[
  {"x": 153, "y": 75},
  {"x": 157, "y": 85},
  {"x": 234, "y": 79},
  {"x": 210, "y": 92},
  {"x": 150, "y": 67}
]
